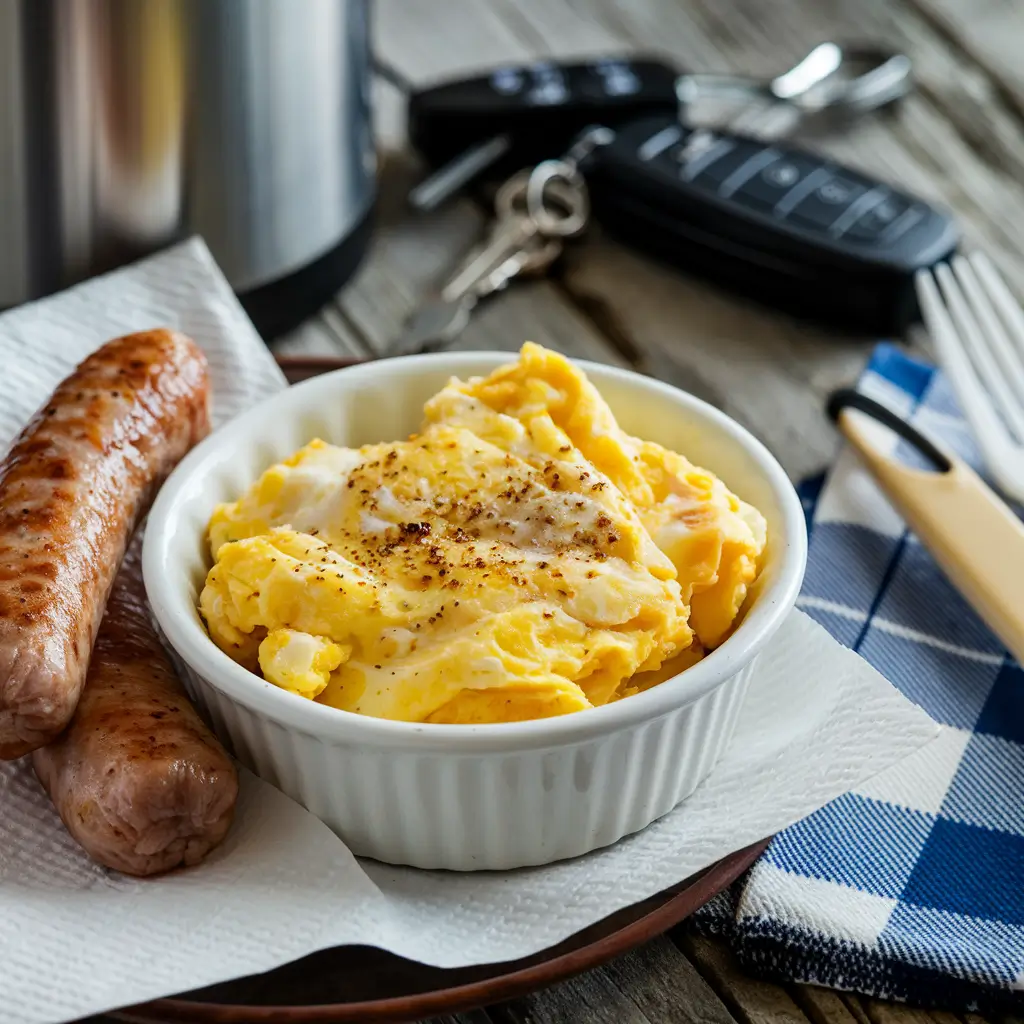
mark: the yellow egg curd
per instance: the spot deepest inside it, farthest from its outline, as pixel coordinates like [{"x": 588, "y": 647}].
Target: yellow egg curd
[{"x": 520, "y": 557}]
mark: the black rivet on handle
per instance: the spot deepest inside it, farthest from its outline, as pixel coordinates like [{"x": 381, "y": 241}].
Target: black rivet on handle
[{"x": 848, "y": 398}]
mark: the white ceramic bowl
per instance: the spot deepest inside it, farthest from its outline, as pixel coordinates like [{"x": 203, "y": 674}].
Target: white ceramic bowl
[{"x": 457, "y": 796}]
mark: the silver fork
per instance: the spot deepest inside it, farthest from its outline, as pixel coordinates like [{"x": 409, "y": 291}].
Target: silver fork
[{"x": 978, "y": 329}]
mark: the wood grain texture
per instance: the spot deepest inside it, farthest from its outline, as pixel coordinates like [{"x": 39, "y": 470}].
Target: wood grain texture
[
  {"x": 660, "y": 980},
  {"x": 958, "y": 141},
  {"x": 823, "y": 1006},
  {"x": 750, "y": 1000}
]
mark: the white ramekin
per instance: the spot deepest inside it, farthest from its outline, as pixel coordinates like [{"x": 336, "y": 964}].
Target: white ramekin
[{"x": 467, "y": 797}]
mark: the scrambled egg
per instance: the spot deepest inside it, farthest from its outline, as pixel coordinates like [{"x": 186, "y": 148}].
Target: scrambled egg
[{"x": 520, "y": 557}]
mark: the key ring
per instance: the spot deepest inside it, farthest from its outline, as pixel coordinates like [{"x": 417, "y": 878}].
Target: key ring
[
  {"x": 826, "y": 79},
  {"x": 566, "y": 169},
  {"x": 557, "y": 179}
]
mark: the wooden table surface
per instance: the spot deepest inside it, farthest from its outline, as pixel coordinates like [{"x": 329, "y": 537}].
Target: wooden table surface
[{"x": 958, "y": 139}]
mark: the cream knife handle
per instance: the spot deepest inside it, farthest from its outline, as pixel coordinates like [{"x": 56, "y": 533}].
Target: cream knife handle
[{"x": 972, "y": 534}]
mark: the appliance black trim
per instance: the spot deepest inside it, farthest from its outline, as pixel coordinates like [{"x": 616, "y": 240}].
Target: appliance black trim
[{"x": 280, "y": 306}]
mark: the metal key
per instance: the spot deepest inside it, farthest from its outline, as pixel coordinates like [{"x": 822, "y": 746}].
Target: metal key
[
  {"x": 444, "y": 318},
  {"x": 565, "y": 213},
  {"x": 518, "y": 244}
]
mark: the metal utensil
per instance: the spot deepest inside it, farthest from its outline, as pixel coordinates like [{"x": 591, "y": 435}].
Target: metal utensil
[
  {"x": 978, "y": 329},
  {"x": 839, "y": 80}
]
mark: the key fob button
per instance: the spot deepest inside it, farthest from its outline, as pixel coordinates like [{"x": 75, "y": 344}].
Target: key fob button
[
  {"x": 713, "y": 173},
  {"x": 507, "y": 81},
  {"x": 618, "y": 78},
  {"x": 824, "y": 205},
  {"x": 549, "y": 85},
  {"x": 887, "y": 219},
  {"x": 701, "y": 151},
  {"x": 767, "y": 187}
]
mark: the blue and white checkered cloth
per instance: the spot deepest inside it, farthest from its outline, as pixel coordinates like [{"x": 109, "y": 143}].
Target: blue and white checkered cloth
[{"x": 911, "y": 886}]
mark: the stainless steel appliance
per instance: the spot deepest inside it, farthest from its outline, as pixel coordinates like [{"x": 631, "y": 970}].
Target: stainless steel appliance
[{"x": 126, "y": 124}]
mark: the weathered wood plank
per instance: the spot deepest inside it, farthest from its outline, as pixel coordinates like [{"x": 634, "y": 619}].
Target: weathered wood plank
[
  {"x": 879, "y": 1012},
  {"x": 424, "y": 40},
  {"x": 823, "y": 1006},
  {"x": 655, "y": 983},
  {"x": 535, "y": 311},
  {"x": 666, "y": 986},
  {"x": 750, "y": 1000},
  {"x": 592, "y": 997},
  {"x": 989, "y": 32},
  {"x": 317, "y": 338},
  {"x": 468, "y": 1017}
]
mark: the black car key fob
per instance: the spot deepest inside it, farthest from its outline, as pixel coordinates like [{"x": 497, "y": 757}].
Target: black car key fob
[
  {"x": 784, "y": 226},
  {"x": 540, "y": 106}
]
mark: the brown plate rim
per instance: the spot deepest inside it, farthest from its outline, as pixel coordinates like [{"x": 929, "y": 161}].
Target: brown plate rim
[
  {"x": 312, "y": 365},
  {"x": 473, "y": 994},
  {"x": 502, "y": 986}
]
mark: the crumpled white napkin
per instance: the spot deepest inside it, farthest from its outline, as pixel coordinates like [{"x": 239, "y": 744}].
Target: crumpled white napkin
[{"x": 76, "y": 939}]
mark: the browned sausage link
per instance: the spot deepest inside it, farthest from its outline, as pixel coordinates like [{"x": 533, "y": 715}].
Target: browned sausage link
[
  {"x": 71, "y": 491},
  {"x": 138, "y": 779}
]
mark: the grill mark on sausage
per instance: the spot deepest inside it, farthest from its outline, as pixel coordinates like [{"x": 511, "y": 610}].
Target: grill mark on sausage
[
  {"x": 138, "y": 779},
  {"x": 71, "y": 491}
]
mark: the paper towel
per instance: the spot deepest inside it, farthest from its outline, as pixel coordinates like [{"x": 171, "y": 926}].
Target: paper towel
[{"x": 76, "y": 939}]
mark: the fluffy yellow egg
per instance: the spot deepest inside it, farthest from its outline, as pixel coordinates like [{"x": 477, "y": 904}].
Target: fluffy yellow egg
[{"x": 520, "y": 557}]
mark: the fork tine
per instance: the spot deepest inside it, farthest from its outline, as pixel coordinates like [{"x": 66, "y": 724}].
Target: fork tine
[
  {"x": 974, "y": 277},
  {"x": 990, "y": 433},
  {"x": 1001, "y": 297},
  {"x": 976, "y": 344}
]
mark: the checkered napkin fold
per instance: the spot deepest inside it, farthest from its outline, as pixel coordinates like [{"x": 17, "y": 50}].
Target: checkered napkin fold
[{"x": 911, "y": 886}]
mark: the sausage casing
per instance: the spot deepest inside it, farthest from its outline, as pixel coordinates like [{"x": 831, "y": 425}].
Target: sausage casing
[
  {"x": 72, "y": 489},
  {"x": 138, "y": 779}
]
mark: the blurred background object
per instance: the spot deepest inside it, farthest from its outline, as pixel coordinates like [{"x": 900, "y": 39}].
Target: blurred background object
[{"x": 125, "y": 124}]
